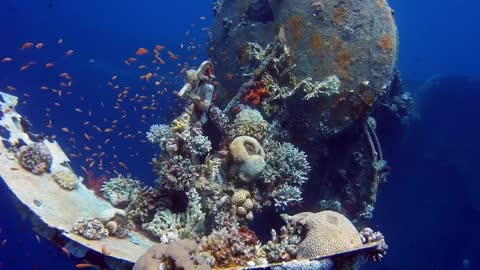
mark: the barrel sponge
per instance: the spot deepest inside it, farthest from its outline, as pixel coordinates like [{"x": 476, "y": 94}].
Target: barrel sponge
[
  {"x": 248, "y": 158},
  {"x": 327, "y": 233}
]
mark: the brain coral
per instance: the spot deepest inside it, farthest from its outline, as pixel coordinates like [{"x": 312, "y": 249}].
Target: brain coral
[
  {"x": 249, "y": 122},
  {"x": 66, "y": 179},
  {"x": 35, "y": 158},
  {"x": 327, "y": 233},
  {"x": 248, "y": 158}
]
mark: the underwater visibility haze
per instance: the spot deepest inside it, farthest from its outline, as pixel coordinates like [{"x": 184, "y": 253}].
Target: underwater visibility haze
[{"x": 235, "y": 134}]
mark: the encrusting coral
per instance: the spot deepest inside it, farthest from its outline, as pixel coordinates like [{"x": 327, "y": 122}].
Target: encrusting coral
[
  {"x": 35, "y": 158},
  {"x": 248, "y": 158},
  {"x": 91, "y": 229},
  {"x": 66, "y": 179}
]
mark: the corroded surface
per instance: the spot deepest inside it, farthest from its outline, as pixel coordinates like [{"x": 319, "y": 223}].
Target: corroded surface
[{"x": 355, "y": 40}]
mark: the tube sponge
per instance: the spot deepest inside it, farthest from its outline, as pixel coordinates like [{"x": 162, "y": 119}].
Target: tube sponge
[{"x": 248, "y": 158}]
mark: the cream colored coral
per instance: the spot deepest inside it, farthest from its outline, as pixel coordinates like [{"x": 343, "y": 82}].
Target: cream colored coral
[
  {"x": 240, "y": 196},
  {"x": 327, "y": 233},
  {"x": 250, "y": 122},
  {"x": 112, "y": 227},
  {"x": 248, "y": 158},
  {"x": 66, "y": 179},
  {"x": 248, "y": 204}
]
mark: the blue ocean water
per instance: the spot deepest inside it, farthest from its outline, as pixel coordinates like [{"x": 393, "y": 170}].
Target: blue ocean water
[{"x": 430, "y": 208}]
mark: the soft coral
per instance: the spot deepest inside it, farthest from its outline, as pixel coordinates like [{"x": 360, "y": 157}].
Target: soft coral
[{"x": 256, "y": 93}]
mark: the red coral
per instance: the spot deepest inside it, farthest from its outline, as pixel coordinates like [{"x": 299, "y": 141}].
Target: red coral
[
  {"x": 256, "y": 94},
  {"x": 95, "y": 183}
]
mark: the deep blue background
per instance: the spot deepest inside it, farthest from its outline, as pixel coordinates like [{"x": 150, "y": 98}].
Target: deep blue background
[{"x": 429, "y": 209}]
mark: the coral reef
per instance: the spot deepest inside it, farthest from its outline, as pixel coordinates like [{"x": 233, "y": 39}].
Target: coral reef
[
  {"x": 176, "y": 255},
  {"x": 177, "y": 173},
  {"x": 189, "y": 224},
  {"x": 147, "y": 202},
  {"x": 367, "y": 235},
  {"x": 66, "y": 179},
  {"x": 159, "y": 134},
  {"x": 230, "y": 247},
  {"x": 250, "y": 122},
  {"x": 248, "y": 158},
  {"x": 35, "y": 158},
  {"x": 116, "y": 222},
  {"x": 120, "y": 191},
  {"x": 243, "y": 205},
  {"x": 283, "y": 247}
]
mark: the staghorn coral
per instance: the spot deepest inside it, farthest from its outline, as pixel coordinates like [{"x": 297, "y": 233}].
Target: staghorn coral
[
  {"x": 195, "y": 144},
  {"x": 176, "y": 255},
  {"x": 91, "y": 229},
  {"x": 177, "y": 173},
  {"x": 186, "y": 225},
  {"x": 284, "y": 164},
  {"x": 326, "y": 233},
  {"x": 66, "y": 179},
  {"x": 250, "y": 122},
  {"x": 35, "y": 158},
  {"x": 120, "y": 191},
  {"x": 248, "y": 158}
]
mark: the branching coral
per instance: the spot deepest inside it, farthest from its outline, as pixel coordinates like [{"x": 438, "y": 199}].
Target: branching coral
[
  {"x": 282, "y": 247},
  {"x": 284, "y": 164},
  {"x": 286, "y": 195},
  {"x": 160, "y": 134},
  {"x": 250, "y": 122},
  {"x": 35, "y": 158},
  {"x": 120, "y": 191},
  {"x": 329, "y": 86}
]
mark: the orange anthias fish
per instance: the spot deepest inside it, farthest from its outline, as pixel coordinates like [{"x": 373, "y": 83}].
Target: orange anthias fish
[
  {"x": 7, "y": 59},
  {"x": 141, "y": 51},
  {"x": 85, "y": 265},
  {"x": 147, "y": 76},
  {"x": 49, "y": 65},
  {"x": 39, "y": 45},
  {"x": 159, "y": 47},
  {"x": 69, "y": 53},
  {"x": 27, "y": 45}
]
